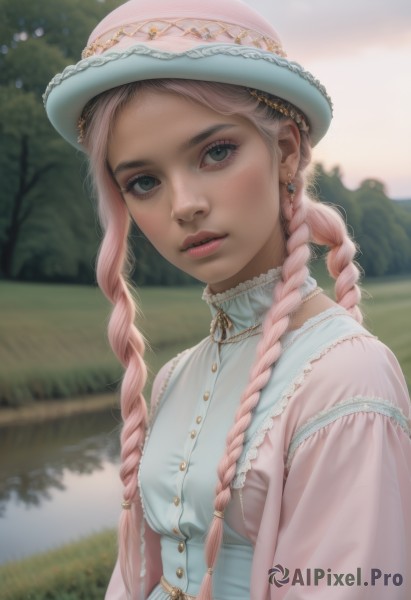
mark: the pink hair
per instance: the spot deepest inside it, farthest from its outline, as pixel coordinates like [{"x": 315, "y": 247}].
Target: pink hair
[
  {"x": 126, "y": 341},
  {"x": 305, "y": 221}
]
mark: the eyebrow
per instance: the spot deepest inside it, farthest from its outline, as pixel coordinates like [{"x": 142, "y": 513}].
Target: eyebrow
[
  {"x": 205, "y": 134},
  {"x": 191, "y": 143}
]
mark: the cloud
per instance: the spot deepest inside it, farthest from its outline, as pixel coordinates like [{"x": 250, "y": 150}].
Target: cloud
[{"x": 311, "y": 29}]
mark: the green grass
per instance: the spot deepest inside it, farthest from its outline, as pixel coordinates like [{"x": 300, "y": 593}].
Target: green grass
[
  {"x": 52, "y": 329},
  {"x": 53, "y": 340},
  {"x": 387, "y": 313},
  {"x": 78, "y": 571},
  {"x": 386, "y": 307}
]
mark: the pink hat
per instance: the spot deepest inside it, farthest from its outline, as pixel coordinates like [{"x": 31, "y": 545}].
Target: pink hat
[{"x": 222, "y": 41}]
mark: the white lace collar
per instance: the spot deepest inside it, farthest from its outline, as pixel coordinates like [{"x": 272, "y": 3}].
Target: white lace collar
[{"x": 246, "y": 304}]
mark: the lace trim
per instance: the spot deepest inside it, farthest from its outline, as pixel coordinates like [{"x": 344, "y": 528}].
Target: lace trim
[
  {"x": 258, "y": 438},
  {"x": 342, "y": 409},
  {"x": 221, "y": 324},
  {"x": 139, "y": 481},
  {"x": 263, "y": 279},
  {"x": 143, "y": 563},
  {"x": 326, "y": 315},
  {"x": 200, "y": 52}
]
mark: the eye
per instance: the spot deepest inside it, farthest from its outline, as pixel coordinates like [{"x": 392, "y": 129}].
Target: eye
[
  {"x": 141, "y": 185},
  {"x": 218, "y": 153}
]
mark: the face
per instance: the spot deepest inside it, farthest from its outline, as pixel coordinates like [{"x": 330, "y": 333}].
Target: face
[{"x": 203, "y": 187}]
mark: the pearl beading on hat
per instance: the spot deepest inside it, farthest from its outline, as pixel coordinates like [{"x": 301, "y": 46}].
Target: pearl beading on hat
[{"x": 200, "y": 29}]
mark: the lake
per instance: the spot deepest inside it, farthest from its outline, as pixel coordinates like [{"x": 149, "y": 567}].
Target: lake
[{"x": 58, "y": 482}]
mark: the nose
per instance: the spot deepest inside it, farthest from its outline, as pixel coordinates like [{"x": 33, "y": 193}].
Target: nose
[{"x": 188, "y": 201}]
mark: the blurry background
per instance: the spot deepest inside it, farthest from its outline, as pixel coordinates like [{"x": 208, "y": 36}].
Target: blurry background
[
  {"x": 59, "y": 421},
  {"x": 361, "y": 51}
]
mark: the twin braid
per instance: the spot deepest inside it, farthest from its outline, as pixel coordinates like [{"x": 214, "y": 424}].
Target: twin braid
[
  {"x": 306, "y": 221},
  {"x": 328, "y": 228},
  {"x": 128, "y": 345},
  {"x": 287, "y": 299}
]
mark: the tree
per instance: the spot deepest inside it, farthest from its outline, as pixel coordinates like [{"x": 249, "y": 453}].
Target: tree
[
  {"x": 47, "y": 226},
  {"x": 329, "y": 188},
  {"x": 37, "y": 41},
  {"x": 381, "y": 227},
  {"x": 385, "y": 245}
]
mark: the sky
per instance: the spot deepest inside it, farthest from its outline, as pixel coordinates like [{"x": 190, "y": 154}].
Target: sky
[{"x": 361, "y": 51}]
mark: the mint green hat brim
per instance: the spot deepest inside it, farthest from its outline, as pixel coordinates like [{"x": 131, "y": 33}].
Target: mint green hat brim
[{"x": 69, "y": 92}]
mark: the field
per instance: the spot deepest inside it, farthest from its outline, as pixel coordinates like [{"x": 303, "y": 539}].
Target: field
[
  {"x": 54, "y": 345},
  {"x": 388, "y": 315},
  {"x": 78, "y": 571},
  {"x": 53, "y": 338}
]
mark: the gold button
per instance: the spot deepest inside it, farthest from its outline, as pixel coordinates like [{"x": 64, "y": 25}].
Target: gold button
[
  {"x": 206, "y": 396},
  {"x": 176, "y": 500},
  {"x": 181, "y": 547},
  {"x": 180, "y": 572},
  {"x": 199, "y": 419},
  {"x": 214, "y": 367},
  {"x": 183, "y": 466},
  {"x": 176, "y": 531},
  {"x": 193, "y": 433}
]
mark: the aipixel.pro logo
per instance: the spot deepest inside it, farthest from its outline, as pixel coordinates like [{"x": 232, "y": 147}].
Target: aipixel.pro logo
[{"x": 279, "y": 575}]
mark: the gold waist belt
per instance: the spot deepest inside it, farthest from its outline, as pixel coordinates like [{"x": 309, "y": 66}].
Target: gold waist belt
[{"x": 175, "y": 593}]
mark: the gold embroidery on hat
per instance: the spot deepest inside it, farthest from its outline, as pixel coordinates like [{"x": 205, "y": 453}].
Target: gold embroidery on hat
[
  {"x": 199, "y": 28},
  {"x": 283, "y": 107}
]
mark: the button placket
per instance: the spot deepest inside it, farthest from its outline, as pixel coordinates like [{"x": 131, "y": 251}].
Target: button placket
[
  {"x": 177, "y": 502},
  {"x": 205, "y": 401}
]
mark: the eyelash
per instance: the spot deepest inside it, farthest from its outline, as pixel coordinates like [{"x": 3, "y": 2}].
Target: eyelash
[{"x": 223, "y": 144}]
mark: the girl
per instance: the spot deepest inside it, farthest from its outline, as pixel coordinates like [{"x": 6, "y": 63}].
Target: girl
[{"x": 276, "y": 461}]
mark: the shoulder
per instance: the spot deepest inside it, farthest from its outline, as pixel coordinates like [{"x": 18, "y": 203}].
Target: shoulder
[
  {"x": 358, "y": 365},
  {"x": 346, "y": 373},
  {"x": 356, "y": 389}
]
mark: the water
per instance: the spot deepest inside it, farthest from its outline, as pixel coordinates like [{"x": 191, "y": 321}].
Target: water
[{"x": 58, "y": 482}]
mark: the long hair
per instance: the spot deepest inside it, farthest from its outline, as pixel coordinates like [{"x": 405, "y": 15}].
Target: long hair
[{"x": 305, "y": 221}]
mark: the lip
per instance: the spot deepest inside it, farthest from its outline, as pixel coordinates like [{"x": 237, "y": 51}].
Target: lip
[{"x": 199, "y": 237}]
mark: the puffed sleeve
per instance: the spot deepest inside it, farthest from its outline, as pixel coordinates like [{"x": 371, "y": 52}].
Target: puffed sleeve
[
  {"x": 335, "y": 519},
  {"x": 345, "y": 525}
]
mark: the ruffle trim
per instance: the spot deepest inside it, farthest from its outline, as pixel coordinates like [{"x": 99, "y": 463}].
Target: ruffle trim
[
  {"x": 265, "y": 278},
  {"x": 354, "y": 405},
  {"x": 258, "y": 438},
  {"x": 200, "y": 52}
]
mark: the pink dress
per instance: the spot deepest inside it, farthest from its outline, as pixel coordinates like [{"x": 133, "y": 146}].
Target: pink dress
[{"x": 322, "y": 492}]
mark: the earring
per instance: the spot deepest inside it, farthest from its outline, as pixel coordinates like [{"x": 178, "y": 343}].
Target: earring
[{"x": 290, "y": 187}]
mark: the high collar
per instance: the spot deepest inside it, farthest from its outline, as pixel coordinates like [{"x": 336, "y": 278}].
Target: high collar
[{"x": 246, "y": 304}]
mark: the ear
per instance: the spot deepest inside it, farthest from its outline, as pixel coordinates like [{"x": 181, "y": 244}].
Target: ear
[{"x": 289, "y": 149}]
